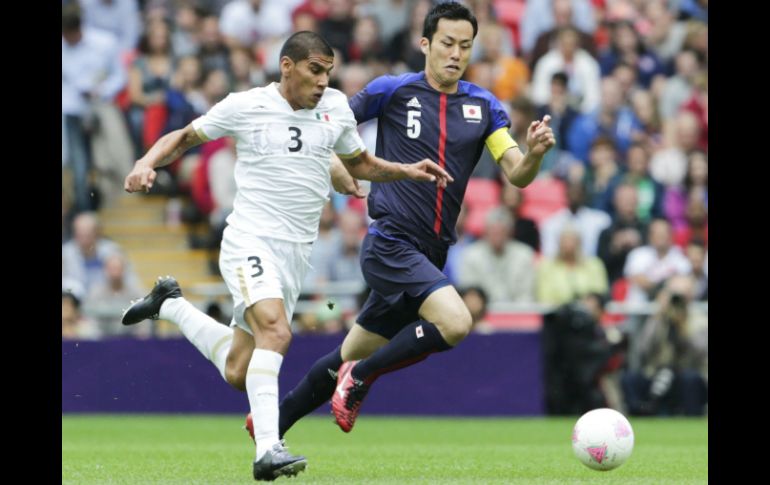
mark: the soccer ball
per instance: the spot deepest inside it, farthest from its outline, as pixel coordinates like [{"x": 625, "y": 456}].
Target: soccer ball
[{"x": 602, "y": 439}]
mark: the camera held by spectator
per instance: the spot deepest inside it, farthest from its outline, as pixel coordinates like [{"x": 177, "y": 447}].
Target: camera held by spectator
[{"x": 673, "y": 349}]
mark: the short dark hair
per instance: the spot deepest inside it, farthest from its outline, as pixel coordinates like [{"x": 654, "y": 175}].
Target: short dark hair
[
  {"x": 698, "y": 243},
  {"x": 144, "y": 40},
  {"x": 478, "y": 290},
  {"x": 449, "y": 11},
  {"x": 560, "y": 78},
  {"x": 601, "y": 298},
  {"x": 301, "y": 44},
  {"x": 604, "y": 140},
  {"x": 70, "y": 17},
  {"x": 69, "y": 295}
]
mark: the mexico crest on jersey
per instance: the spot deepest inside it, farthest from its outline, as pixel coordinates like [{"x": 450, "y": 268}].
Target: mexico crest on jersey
[{"x": 322, "y": 116}]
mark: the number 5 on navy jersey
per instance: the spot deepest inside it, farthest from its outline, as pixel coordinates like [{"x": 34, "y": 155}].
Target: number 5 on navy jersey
[{"x": 413, "y": 124}]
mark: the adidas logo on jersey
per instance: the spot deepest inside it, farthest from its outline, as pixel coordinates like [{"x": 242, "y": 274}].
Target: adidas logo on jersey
[{"x": 413, "y": 103}]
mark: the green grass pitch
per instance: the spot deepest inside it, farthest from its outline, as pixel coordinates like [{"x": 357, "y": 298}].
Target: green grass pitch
[{"x": 196, "y": 449}]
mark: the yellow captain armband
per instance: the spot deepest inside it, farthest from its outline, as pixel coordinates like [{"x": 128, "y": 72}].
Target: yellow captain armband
[
  {"x": 350, "y": 156},
  {"x": 201, "y": 135},
  {"x": 498, "y": 142}
]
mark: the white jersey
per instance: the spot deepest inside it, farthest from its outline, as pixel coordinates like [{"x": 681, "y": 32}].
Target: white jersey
[{"x": 282, "y": 171}]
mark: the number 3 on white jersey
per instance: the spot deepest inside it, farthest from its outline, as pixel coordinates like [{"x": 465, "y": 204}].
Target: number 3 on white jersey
[{"x": 412, "y": 124}]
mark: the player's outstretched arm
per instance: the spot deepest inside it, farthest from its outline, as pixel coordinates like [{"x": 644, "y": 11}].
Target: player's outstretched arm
[
  {"x": 167, "y": 149},
  {"x": 522, "y": 169},
  {"x": 368, "y": 167}
]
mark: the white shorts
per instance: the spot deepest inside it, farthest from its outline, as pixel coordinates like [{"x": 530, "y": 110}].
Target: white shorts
[{"x": 256, "y": 268}]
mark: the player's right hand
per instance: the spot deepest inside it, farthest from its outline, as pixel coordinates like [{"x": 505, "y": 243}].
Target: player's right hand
[
  {"x": 540, "y": 137},
  {"x": 428, "y": 171},
  {"x": 140, "y": 178}
]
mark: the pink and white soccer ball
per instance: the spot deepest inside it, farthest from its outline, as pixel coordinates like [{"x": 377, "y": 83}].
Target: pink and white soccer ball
[{"x": 602, "y": 439}]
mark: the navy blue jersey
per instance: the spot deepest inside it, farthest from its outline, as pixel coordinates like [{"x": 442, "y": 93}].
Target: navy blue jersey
[{"x": 417, "y": 122}]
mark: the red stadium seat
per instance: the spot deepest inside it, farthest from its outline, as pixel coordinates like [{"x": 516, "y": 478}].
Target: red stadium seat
[
  {"x": 482, "y": 192},
  {"x": 542, "y": 198},
  {"x": 155, "y": 116},
  {"x": 509, "y": 13},
  {"x": 481, "y": 196},
  {"x": 619, "y": 290},
  {"x": 520, "y": 322},
  {"x": 474, "y": 222}
]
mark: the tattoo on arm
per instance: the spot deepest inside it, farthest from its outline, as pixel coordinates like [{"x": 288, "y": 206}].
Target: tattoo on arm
[
  {"x": 189, "y": 140},
  {"x": 368, "y": 167},
  {"x": 380, "y": 173}
]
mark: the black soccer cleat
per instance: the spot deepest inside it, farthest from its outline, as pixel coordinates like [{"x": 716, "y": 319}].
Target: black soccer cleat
[
  {"x": 277, "y": 462},
  {"x": 149, "y": 306}
]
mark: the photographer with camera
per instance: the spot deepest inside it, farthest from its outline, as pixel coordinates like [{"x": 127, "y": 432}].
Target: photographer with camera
[
  {"x": 580, "y": 357},
  {"x": 673, "y": 351}
]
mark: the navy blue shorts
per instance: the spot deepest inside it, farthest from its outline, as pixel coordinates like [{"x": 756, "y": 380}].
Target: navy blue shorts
[{"x": 401, "y": 275}]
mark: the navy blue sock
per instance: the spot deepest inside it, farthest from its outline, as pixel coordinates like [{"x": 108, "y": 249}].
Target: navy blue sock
[
  {"x": 411, "y": 345},
  {"x": 313, "y": 390}
]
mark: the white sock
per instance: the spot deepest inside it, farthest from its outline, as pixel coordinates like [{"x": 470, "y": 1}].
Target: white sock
[
  {"x": 210, "y": 337},
  {"x": 262, "y": 388}
]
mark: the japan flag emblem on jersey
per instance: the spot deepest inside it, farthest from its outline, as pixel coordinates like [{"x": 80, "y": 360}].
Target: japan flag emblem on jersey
[{"x": 472, "y": 113}]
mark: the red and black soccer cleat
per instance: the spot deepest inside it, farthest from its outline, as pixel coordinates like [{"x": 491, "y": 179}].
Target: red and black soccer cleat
[{"x": 348, "y": 397}]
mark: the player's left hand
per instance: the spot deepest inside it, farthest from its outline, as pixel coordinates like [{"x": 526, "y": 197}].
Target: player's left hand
[
  {"x": 141, "y": 177},
  {"x": 540, "y": 136},
  {"x": 349, "y": 186},
  {"x": 343, "y": 182},
  {"x": 428, "y": 171}
]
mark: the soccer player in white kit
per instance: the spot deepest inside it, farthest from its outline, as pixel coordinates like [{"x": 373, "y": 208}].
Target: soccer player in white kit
[{"x": 286, "y": 134}]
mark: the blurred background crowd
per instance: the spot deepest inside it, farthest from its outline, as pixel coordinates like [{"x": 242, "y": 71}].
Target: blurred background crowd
[{"x": 605, "y": 253}]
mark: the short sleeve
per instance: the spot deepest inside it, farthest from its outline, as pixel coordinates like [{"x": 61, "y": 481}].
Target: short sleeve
[
  {"x": 349, "y": 144},
  {"x": 219, "y": 121}
]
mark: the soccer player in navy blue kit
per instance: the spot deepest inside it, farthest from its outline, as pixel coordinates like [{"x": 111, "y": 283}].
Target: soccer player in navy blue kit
[{"x": 413, "y": 310}]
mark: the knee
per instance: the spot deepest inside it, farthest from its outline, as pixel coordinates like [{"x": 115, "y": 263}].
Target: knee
[
  {"x": 235, "y": 374},
  {"x": 455, "y": 325},
  {"x": 278, "y": 333},
  {"x": 274, "y": 330}
]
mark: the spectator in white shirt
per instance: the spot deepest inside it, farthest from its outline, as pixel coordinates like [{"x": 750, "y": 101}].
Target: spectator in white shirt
[
  {"x": 648, "y": 267},
  {"x": 588, "y": 222}
]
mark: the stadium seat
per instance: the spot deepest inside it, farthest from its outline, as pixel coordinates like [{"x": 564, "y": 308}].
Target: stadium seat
[
  {"x": 515, "y": 322},
  {"x": 481, "y": 196},
  {"x": 542, "y": 198},
  {"x": 482, "y": 192},
  {"x": 509, "y": 13},
  {"x": 619, "y": 290}
]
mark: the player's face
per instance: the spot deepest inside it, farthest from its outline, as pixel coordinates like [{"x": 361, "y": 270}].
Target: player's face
[
  {"x": 448, "y": 54},
  {"x": 307, "y": 80}
]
